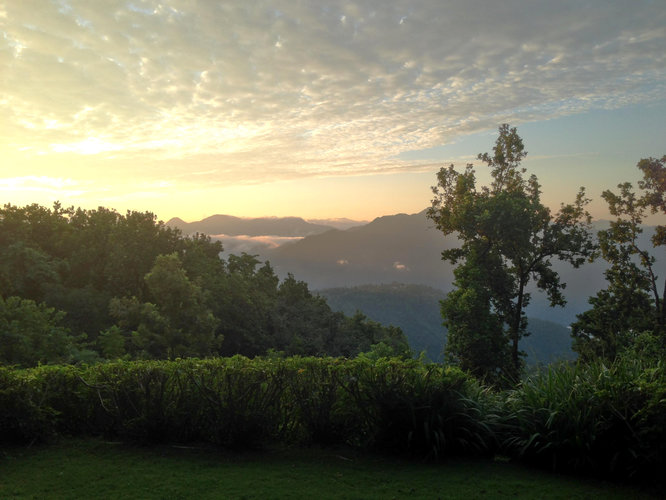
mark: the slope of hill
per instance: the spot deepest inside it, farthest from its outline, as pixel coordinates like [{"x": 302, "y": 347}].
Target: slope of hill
[
  {"x": 399, "y": 248},
  {"x": 407, "y": 249},
  {"x": 415, "y": 309},
  {"x": 338, "y": 223}
]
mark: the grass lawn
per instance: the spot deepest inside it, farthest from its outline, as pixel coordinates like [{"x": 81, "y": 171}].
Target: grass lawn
[{"x": 98, "y": 469}]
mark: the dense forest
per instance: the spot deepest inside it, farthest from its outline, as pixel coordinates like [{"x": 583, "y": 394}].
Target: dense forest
[{"x": 88, "y": 285}]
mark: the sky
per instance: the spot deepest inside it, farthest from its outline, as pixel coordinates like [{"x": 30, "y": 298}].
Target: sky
[{"x": 319, "y": 109}]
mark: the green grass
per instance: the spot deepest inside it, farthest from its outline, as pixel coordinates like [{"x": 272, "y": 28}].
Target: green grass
[{"x": 98, "y": 469}]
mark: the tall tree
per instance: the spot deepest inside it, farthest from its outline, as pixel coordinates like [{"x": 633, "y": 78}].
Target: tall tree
[
  {"x": 508, "y": 239},
  {"x": 634, "y": 300}
]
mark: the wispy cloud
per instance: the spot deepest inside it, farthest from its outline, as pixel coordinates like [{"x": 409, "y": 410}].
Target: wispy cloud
[
  {"x": 43, "y": 184},
  {"x": 282, "y": 89}
]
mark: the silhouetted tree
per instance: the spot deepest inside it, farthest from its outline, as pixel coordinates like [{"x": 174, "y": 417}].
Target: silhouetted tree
[
  {"x": 508, "y": 239},
  {"x": 633, "y": 303}
]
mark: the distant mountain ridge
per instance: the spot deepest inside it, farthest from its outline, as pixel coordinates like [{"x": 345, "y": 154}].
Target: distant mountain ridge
[
  {"x": 389, "y": 249},
  {"x": 262, "y": 226},
  {"x": 341, "y": 223},
  {"x": 407, "y": 249},
  {"x": 397, "y": 248}
]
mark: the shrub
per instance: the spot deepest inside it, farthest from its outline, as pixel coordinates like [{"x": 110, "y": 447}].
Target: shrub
[
  {"x": 138, "y": 398},
  {"x": 313, "y": 405},
  {"x": 607, "y": 420},
  {"x": 24, "y": 416},
  {"x": 426, "y": 410},
  {"x": 604, "y": 419},
  {"x": 240, "y": 401}
]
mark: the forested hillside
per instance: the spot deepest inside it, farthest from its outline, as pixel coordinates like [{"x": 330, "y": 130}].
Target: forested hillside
[
  {"x": 416, "y": 310},
  {"x": 83, "y": 285},
  {"x": 407, "y": 249},
  {"x": 395, "y": 248}
]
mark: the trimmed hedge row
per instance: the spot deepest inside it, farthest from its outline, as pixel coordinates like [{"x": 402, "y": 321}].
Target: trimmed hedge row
[
  {"x": 608, "y": 420},
  {"x": 391, "y": 404}
]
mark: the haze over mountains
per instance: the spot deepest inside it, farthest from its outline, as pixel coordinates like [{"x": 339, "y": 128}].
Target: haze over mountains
[
  {"x": 236, "y": 226},
  {"x": 416, "y": 310},
  {"x": 255, "y": 235},
  {"x": 392, "y": 249}
]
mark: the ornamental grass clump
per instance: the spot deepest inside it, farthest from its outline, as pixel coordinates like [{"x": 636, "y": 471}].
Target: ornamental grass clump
[{"x": 603, "y": 419}]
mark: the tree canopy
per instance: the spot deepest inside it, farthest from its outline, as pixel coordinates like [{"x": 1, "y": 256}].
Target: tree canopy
[
  {"x": 632, "y": 306},
  {"x": 78, "y": 284},
  {"x": 508, "y": 239}
]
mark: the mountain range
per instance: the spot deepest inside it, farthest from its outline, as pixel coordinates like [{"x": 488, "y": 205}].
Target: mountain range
[
  {"x": 229, "y": 225},
  {"x": 398, "y": 248}
]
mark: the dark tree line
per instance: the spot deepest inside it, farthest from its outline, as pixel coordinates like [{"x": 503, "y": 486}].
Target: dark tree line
[
  {"x": 83, "y": 285},
  {"x": 509, "y": 239},
  {"x": 629, "y": 315}
]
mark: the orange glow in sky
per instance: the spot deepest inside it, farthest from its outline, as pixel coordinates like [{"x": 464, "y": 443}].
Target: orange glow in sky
[{"x": 318, "y": 109}]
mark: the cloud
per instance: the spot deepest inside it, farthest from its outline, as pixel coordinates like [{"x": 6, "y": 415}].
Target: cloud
[
  {"x": 400, "y": 267},
  {"x": 250, "y": 91},
  {"x": 252, "y": 244},
  {"x": 45, "y": 184}
]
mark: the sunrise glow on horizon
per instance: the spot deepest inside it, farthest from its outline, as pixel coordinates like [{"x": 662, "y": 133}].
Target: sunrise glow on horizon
[{"x": 319, "y": 109}]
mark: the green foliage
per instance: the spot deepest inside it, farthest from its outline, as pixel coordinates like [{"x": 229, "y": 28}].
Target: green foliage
[
  {"x": 38, "y": 403},
  {"x": 190, "y": 325},
  {"x": 423, "y": 410},
  {"x": 26, "y": 271},
  {"x": 388, "y": 403},
  {"x": 633, "y": 303},
  {"x": 365, "y": 335},
  {"x": 508, "y": 239},
  {"x": 136, "y": 289},
  {"x": 412, "y": 308},
  {"x": 315, "y": 396},
  {"x": 32, "y": 333},
  {"x": 241, "y": 401},
  {"x": 416, "y": 310},
  {"x": 23, "y": 416},
  {"x": 602, "y": 419},
  {"x": 112, "y": 343},
  {"x": 476, "y": 340}
]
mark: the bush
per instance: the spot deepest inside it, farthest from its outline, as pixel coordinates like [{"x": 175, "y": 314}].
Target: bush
[
  {"x": 24, "y": 418},
  {"x": 602, "y": 419},
  {"x": 314, "y": 403},
  {"x": 424, "y": 410},
  {"x": 607, "y": 420}
]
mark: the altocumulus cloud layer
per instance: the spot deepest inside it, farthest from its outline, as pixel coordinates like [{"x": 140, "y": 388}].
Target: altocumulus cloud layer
[{"x": 281, "y": 89}]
